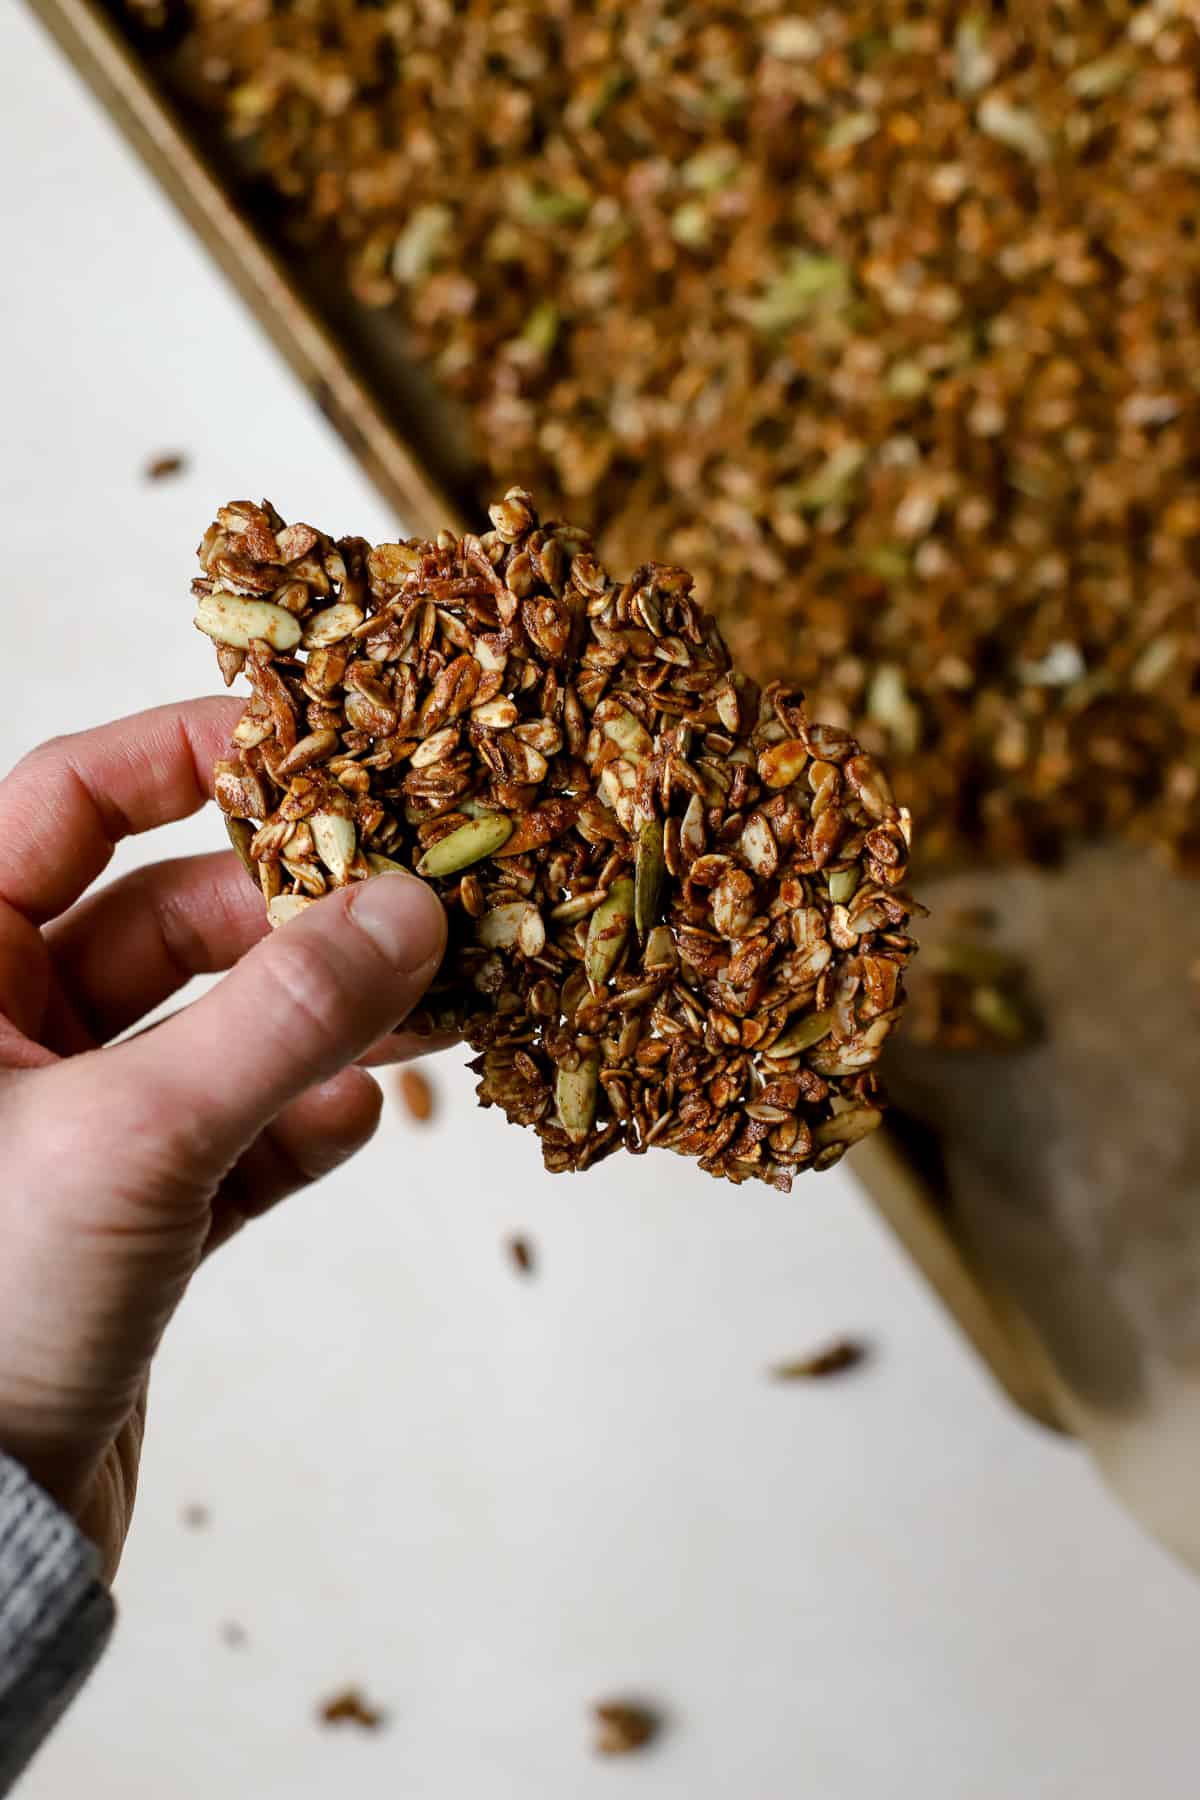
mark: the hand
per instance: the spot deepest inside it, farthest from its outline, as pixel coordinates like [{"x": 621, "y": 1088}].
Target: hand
[{"x": 123, "y": 1165}]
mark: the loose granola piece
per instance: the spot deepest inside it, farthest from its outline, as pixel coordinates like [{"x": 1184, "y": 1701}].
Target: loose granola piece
[
  {"x": 676, "y": 906},
  {"x": 161, "y": 468},
  {"x": 350, "y": 1707},
  {"x": 834, "y": 1359},
  {"x": 623, "y": 1726},
  {"x": 520, "y": 1252},
  {"x": 416, "y": 1094}
]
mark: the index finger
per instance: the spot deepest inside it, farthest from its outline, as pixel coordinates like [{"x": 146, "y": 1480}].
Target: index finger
[{"x": 68, "y": 804}]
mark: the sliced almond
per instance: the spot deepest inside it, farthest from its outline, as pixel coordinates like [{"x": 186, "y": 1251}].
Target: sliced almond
[
  {"x": 531, "y": 937},
  {"x": 287, "y": 906},
  {"x": 441, "y": 744},
  {"x": 230, "y": 619},
  {"x": 759, "y": 847},
  {"x": 499, "y": 714},
  {"x": 331, "y": 625}
]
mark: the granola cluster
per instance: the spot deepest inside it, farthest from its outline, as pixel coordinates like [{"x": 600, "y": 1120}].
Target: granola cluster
[
  {"x": 676, "y": 906},
  {"x": 880, "y": 317}
]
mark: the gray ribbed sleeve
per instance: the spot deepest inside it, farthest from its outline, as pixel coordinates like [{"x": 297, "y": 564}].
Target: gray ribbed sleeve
[{"x": 55, "y": 1617}]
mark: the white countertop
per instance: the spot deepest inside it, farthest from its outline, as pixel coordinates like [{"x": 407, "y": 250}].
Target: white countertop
[{"x": 489, "y": 1500}]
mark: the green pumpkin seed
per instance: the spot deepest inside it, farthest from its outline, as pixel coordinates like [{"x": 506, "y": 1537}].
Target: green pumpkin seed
[
  {"x": 802, "y": 1035},
  {"x": 469, "y": 844},
  {"x": 842, "y": 886},
  {"x": 575, "y": 1096},
  {"x": 649, "y": 875},
  {"x": 608, "y": 931}
]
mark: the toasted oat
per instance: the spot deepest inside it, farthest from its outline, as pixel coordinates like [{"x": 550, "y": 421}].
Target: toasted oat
[
  {"x": 350, "y": 1707},
  {"x": 676, "y": 905},
  {"x": 623, "y": 1726},
  {"x": 416, "y": 1094},
  {"x": 834, "y": 1359}
]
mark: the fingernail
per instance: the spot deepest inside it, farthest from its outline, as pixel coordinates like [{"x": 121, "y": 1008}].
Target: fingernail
[{"x": 403, "y": 917}]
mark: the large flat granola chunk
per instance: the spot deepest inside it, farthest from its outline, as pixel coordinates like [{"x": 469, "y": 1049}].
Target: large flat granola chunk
[{"x": 677, "y": 912}]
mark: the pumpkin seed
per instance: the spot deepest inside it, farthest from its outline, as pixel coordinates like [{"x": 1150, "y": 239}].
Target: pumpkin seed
[
  {"x": 650, "y": 873},
  {"x": 469, "y": 844},
  {"x": 575, "y": 1096},
  {"x": 608, "y": 931}
]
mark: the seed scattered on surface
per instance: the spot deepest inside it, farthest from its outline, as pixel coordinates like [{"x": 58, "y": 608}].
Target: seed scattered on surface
[
  {"x": 834, "y": 1359},
  {"x": 623, "y": 1726},
  {"x": 520, "y": 1252},
  {"x": 195, "y": 1516},
  {"x": 161, "y": 468},
  {"x": 233, "y": 1635},
  {"x": 350, "y": 1707},
  {"x": 416, "y": 1094}
]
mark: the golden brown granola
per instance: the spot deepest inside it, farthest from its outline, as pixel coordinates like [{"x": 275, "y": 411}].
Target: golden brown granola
[
  {"x": 878, "y": 317},
  {"x": 676, "y": 906}
]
